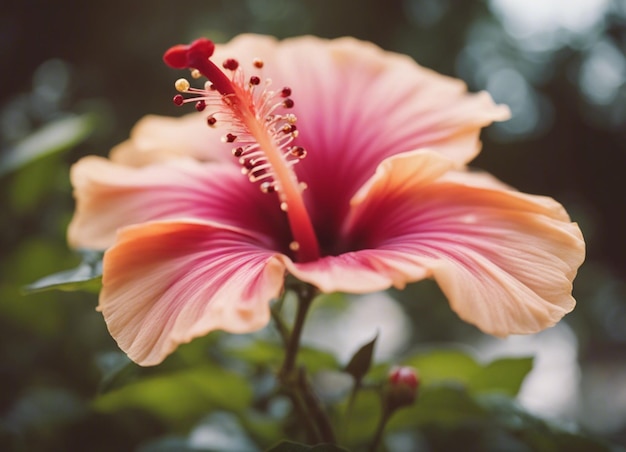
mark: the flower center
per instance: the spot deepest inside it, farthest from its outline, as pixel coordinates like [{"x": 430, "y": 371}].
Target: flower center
[{"x": 261, "y": 133}]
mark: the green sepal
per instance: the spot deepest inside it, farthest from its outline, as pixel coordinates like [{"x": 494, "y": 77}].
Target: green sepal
[{"x": 361, "y": 362}]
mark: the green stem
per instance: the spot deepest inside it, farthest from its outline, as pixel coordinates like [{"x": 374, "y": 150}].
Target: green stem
[
  {"x": 380, "y": 429},
  {"x": 356, "y": 387},
  {"x": 281, "y": 326},
  {"x": 306, "y": 294},
  {"x": 316, "y": 410},
  {"x": 312, "y": 431},
  {"x": 294, "y": 381}
]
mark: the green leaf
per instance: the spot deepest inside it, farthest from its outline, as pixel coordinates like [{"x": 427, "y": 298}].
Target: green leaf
[
  {"x": 290, "y": 446},
  {"x": 364, "y": 417},
  {"x": 504, "y": 375},
  {"x": 452, "y": 365},
  {"x": 315, "y": 360},
  {"x": 55, "y": 136},
  {"x": 444, "y": 404},
  {"x": 263, "y": 428},
  {"x": 180, "y": 398},
  {"x": 268, "y": 353},
  {"x": 444, "y": 365},
  {"x": 84, "y": 277},
  {"x": 168, "y": 444},
  {"x": 538, "y": 434},
  {"x": 361, "y": 362}
]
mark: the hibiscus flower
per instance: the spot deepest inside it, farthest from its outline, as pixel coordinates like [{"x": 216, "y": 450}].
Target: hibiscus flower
[{"x": 330, "y": 160}]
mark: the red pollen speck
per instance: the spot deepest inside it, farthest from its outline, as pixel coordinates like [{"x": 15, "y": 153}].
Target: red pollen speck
[
  {"x": 259, "y": 172},
  {"x": 248, "y": 164},
  {"x": 285, "y": 92},
  {"x": 298, "y": 151},
  {"x": 178, "y": 100},
  {"x": 231, "y": 64},
  {"x": 288, "y": 103},
  {"x": 211, "y": 121},
  {"x": 200, "y": 105},
  {"x": 267, "y": 187},
  {"x": 254, "y": 80}
]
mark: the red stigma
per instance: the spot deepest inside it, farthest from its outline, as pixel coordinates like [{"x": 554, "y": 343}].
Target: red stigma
[
  {"x": 196, "y": 56},
  {"x": 285, "y": 92},
  {"x": 200, "y": 105},
  {"x": 178, "y": 100},
  {"x": 183, "y": 56}
]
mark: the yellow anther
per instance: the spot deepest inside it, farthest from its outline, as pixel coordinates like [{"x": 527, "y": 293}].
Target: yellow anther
[
  {"x": 195, "y": 73},
  {"x": 182, "y": 85}
]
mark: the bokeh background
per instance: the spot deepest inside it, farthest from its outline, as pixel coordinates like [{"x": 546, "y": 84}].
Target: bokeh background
[{"x": 75, "y": 76}]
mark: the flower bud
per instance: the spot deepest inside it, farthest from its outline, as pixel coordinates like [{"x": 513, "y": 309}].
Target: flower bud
[{"x": 402, "y": 387}]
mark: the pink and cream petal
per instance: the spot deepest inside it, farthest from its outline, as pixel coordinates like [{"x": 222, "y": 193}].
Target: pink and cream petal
[
  {"x": 404, "y": 172},
  {"x": 505, "y": 260},
  {"x": 110, "y": 196},
  {"x": 247, "y": 47},
  {"x": 159, "y": 138},
  {"x": 507, "y": 272},
  {"x": 363, "y": 271},
  {"x": 372, "y": 104},
  {"x": 408, "y": 107},
  {"x": 357, "y": 105},
  {"x": 166, "y": 283},
  {"x": 352, "y": 95}
]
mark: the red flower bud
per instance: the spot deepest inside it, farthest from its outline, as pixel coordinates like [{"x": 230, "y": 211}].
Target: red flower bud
[
  {"x": 402, "y": 386},
  {"x": 404, "y": 375}
]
